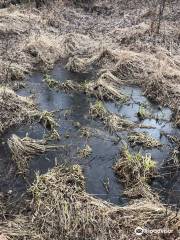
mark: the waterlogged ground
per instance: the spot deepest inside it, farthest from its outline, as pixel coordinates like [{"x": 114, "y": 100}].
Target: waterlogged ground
[{"x": 72, "y": 114}]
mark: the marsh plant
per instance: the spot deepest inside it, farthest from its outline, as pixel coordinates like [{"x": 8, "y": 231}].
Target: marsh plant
[
  {"x": 143, "y": 112},
  {"x": 133, "y": 168},
  {"x": 143, "y": 139},
  {"x": 52, "y": 83},
  {"x": 112, "y": 121},
  {"x": 48, "y": 119},
  {"x": 85, "y": 152}
]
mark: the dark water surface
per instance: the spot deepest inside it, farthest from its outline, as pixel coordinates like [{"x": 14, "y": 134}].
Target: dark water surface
[{"x": 105, "y": 149}]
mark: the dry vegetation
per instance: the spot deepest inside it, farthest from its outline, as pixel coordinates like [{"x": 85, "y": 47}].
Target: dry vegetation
[
  {"x": 23, "y": 149},
  {"x": 137, "y": 138},
  {"x": 136, "y": 170},
  {"x": 14, "y": 109},
  {"x": 125, "y": 43},
  {"x": 61, "y": 209}
]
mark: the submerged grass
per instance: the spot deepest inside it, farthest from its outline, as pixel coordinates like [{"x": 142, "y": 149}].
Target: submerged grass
[
  {"x": 86, "y": 132},
  {"x": 143, "y": 113},
  {"x": 52, "y": 83},
  {"x": 112, "y": 121}
]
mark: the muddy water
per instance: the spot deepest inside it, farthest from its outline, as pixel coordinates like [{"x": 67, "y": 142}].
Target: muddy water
[{"x": 71, "y": 111}]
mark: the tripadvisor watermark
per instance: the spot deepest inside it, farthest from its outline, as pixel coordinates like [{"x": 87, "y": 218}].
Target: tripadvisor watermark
[{"x": 140, "y": 231}]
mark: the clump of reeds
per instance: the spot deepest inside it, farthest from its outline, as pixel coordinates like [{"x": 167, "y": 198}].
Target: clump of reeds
[
  {"x": 23, "y": 149},
  {"x": 52, "y": 83},
  {"x": 98, "y": 110},
  {"x": 86, "y": 132},
  {"x": 116, "y": 123},
  {"x": 104, "y": 91},
  {"x": 52, "y": 135},
  {"x": 106, "y": 88},
  {"x": 112, "y": 121},
  {"x": 66, "y": 86},
  {"x": 138, "y": 138},
  {"x": 69, "y": 85},
  {"x": 135, "y": 170},
  {"x": 47, "y": 119},
  {"x": 85, "y": 151}
]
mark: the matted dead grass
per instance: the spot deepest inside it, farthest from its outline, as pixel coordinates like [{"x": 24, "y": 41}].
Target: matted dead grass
[
  {"x": 156, "y": 70},
  {"x": 106, "y": 87},
  {"x": 44, "y": 49},
  {"x": 113, "y": 122},
  {"x": 14, "y": 109},
  {"x": 61, "y": 209},
  {"x": 143, "y": 139},
  {"x": 157, "y": 74},
  {"x": 60, "y": 206},
  {"x": 23, "y": 149}
]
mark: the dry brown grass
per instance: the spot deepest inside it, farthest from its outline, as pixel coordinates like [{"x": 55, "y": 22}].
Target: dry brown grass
[
  {"x": 23, "y": 149},
  {"x": 44, "y": 49},
  {"x": 156, "y": 73},
  {"x": 143, "y": 139},
  {"x": 106, "y": 88},
  {"x": 61, "y": 209},
  {"x": 112, "y": 121},
  {"x": 14, "y": 109}
]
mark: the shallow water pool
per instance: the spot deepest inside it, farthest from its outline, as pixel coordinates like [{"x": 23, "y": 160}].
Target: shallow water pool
[{"x": 73, "y": 108}]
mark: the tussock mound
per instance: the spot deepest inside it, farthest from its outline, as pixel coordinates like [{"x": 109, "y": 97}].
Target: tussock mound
[
  {"x": 157, "y": 74},
  {"x": 61, "y": 209},
  {"x": 137, "y": 138},
  {"x": 78, "y": 44},
  {"x": 102, "y": 58},
  {"x": 10, "y": 73},
  {"x": 45, "y": 50},
  {"x": 135, "y": 171},
  {"x": 14, "y": 109}
]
